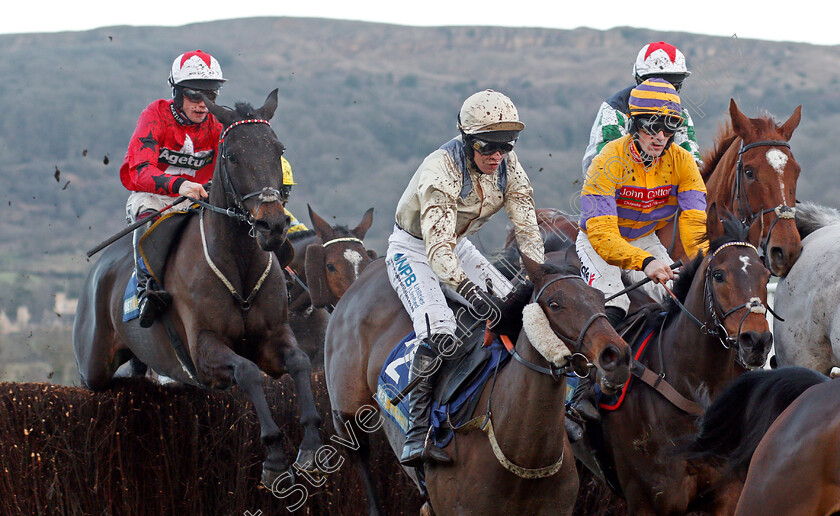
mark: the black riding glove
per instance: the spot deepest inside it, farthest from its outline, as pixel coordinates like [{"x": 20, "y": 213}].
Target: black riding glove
[{"x": 485, "y": 305}]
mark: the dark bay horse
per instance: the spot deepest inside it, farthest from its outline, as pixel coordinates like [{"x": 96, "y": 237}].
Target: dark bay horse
[
  {"x": 229, "y": 294},
  {"x": 751, "y": 172},
  {"x": 778, "y": 432},
  {"x": 327, "y": 261},
  {"x": 526, "y": 407},
  {"x": 719, "y": 320}
]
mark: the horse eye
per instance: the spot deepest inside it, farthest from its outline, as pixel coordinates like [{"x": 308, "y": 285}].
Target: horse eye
[
  {"x": 718, "y": 276},
  {"x": 749, "y": 172},
  {"x": 331, "y": 267},
  {"x": 554, "y": 305},
  {"x": 231, "y": 158}
]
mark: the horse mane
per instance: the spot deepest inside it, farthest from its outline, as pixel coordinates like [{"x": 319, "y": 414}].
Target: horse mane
[
  {"x": 733, "y": 231},
  {"x": 244, "y": 109},
  {"x": 723, "y": 140},
  {"x": 811, "y": 217},
  {"x": 765, "y": 127},
  {"x": 736, "y": 421}
]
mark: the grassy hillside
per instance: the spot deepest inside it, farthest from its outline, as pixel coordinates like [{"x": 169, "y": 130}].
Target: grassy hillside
[{"x": 361, "y": 105}]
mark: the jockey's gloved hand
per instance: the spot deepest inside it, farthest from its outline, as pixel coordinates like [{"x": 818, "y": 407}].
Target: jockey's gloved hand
[
  {"x": 658, "y": 271},
  {"x": 485, "y": 305}
]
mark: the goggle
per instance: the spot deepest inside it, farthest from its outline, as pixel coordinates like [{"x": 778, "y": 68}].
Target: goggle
[
  {"x": 488, "y": 148},
  {"x": 667, "y": 124},
  {"x": 195, "y": 95}
]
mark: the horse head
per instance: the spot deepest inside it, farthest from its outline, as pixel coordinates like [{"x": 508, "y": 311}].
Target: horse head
[
  {"x": 730, "y": 283},
  {"x": 249, "y": 178},
  {"x": 334, "y": 264},
  {"x": 575, "y": 315},
  {"x": 764, "y": 185}
]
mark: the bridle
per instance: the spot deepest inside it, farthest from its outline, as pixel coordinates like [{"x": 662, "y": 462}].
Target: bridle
[
  {"x": 739, "y": 194},
  {"x": 238, "y": 211},
  {"x": 577, "y": 364},
  {"x": 718, "y": 315}
]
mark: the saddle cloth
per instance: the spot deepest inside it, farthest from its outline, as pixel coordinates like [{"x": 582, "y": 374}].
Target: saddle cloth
[{"x": 458, "y": 384}]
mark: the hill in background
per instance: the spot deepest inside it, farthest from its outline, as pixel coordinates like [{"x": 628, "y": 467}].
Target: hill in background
[{"x": 361, "y": 104}]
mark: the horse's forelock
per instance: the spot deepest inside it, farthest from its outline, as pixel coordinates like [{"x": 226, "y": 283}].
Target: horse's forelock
[{"x": 245, "y": 110}]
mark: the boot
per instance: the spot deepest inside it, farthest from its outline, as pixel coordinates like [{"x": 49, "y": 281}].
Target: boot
[
  {"x": 615, "y": 315},
  {"x": 583, "y": 399},
  {"x": 151, "y": 302},
  {"x": 574, "y": 429},
  {"x": 415, "y": 451}
]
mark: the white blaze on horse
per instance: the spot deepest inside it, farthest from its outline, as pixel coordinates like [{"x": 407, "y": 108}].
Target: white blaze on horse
[{"x": 808, "y": 298}]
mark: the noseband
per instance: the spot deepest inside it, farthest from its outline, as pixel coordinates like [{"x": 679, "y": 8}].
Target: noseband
[
  {"x": 739, "y": 194},
  {"x": 577, "y": 364},
  {"x": 265, "y": 195}
]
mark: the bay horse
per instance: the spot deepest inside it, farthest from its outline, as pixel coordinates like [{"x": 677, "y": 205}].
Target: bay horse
[
  {"x": 229, "y": 336},
  {"x": 777, "y": 432},
  {"x": 525, "y": 408},
  {"x": 808, "y": 298},
  {"x": 752, "y": 172},
  {"x": 327, "y": 260},
  {"x": 715, "y": 320}
]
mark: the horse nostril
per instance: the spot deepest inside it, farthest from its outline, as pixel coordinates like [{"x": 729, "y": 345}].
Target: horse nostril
[
  {"x": 777, "y": 256},
  {"x": 262, "y": 226},
  {"x": 766, "y": 340},
  {"x": 749, "y": 339},
  {"x": 609, "y": 358}
]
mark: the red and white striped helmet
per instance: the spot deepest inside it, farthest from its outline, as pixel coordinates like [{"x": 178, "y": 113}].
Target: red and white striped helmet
[
  {"x": 659, "y": 59},
  {"x": 198, "y": 70}
]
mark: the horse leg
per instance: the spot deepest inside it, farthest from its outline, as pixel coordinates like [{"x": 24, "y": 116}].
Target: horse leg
[
  {"x": 220, "y": 366},
  {"x": 298, "y": 365},
  {"x": 359, "y": 452}
]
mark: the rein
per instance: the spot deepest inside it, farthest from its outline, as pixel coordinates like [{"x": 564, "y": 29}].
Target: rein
[
  {"x": 238, "y": 211},
  {"x": 739, "y": 194}
]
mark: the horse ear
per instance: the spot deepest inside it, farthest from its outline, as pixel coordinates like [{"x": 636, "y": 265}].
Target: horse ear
[
  {"x": 266, "y": 112},
  {"x": 533, "y": 268},
  {"x": 315, "y": 267},
  {"x": 714, "y": 226},
  {"x": 372, "y": 254},
  {"x": 322, "y": 227},
  {"x": 740, "y": 123},
  {"x": 792, "y": 123},
  {"x": 364, "y": 225},
  {"x": 224, "y": 115}
]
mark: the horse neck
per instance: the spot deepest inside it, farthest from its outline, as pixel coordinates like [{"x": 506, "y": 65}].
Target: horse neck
[
  {"x": 691, "y": 358},
  {"x": 228, "y": 240},
  {"x": 526, "y": 398},
  {"x": 721, "y": 181}
]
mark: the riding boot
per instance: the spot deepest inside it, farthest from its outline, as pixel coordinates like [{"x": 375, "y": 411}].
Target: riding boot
[
  {"x": 151, "y": 302},
  {"x": 420, "y": 407},
  {"x": 615, "y": 315}
]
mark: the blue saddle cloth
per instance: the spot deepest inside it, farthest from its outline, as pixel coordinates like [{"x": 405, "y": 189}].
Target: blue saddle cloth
[{"x": 394, "y": 377}]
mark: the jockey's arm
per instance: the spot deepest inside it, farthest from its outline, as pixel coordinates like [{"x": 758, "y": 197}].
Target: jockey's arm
[
  {"x": 691, "y": 197},
  {"x": 519, "y": 206}
]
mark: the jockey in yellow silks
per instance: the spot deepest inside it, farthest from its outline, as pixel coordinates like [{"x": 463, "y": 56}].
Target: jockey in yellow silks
[
  {"x": 288, "y": 180},
  {"x": 632, "y": 188}
]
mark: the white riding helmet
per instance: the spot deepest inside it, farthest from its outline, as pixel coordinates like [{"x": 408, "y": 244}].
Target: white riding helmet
[
  {"x": 198, "y": 70},
  {"x": 659, "y": 59},
  {"x": 488, "y": 111}
]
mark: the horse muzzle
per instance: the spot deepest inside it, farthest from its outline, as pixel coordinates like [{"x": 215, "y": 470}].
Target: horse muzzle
[
  {"x": 613, "y": 368},
  {"x": 271, "y": 230},
  {"x": 753, "y": 348}
]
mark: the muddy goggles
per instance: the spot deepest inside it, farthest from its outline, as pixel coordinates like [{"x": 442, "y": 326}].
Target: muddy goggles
[
  {"x": 195, "y": 95},
  {"x": 667, "y": 124},
  {"x": 488, "y": 148}
]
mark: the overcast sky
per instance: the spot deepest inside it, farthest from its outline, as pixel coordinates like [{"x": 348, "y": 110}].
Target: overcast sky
[{"x": 775, "y": 20}]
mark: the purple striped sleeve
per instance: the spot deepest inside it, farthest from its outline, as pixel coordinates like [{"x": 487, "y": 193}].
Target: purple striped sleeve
[
  {"x": 633, "y": 233},
  {"x": 595, "y": 206},
  {"x": 692, "y": 200},
  {"x": 655, "y": 215}
]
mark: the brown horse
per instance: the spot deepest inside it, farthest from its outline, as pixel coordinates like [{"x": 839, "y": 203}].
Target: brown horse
[
  {"x": 536, "y": 474},
  {"x": 229, "y": 336},
  {"x": 751, "y": 172},
  {"x": 718, "y": 320},
  {"x": 327, "y": 260},
  {"x": 778, "y": 433}
]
